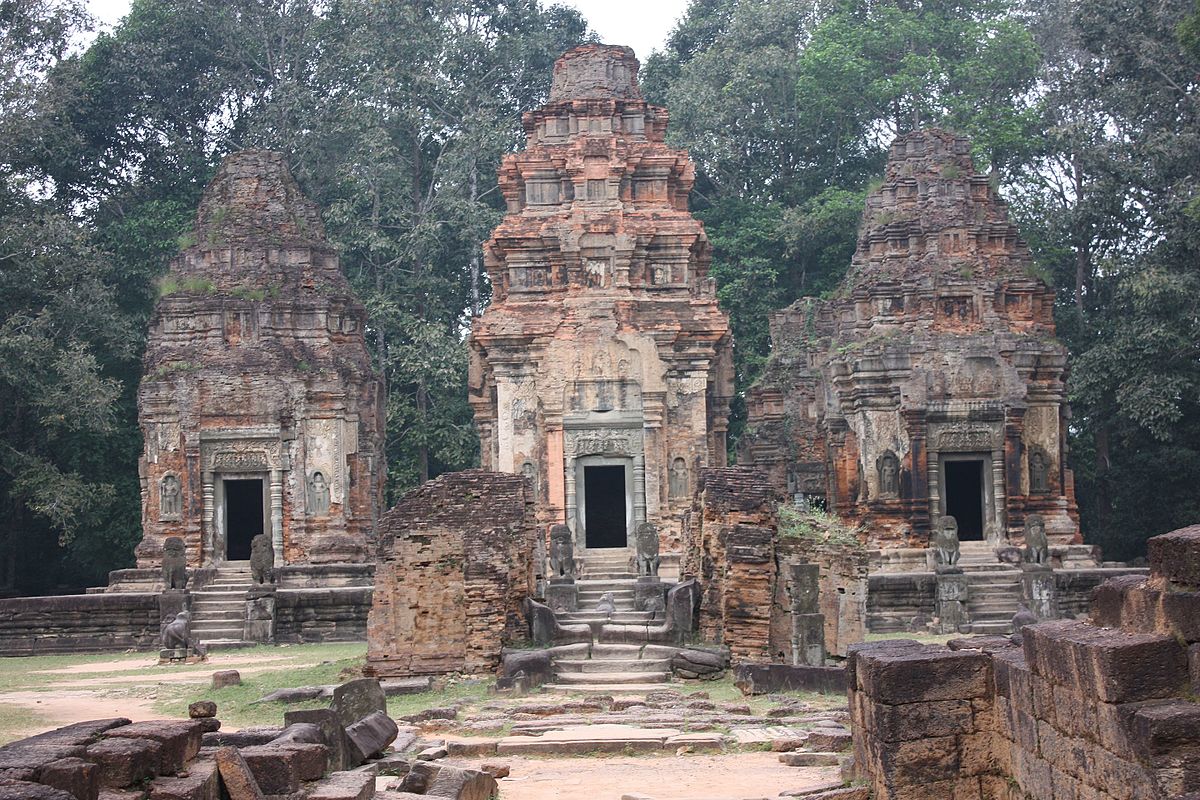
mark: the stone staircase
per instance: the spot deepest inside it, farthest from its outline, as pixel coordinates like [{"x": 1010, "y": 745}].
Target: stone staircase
[
  {"x": 995, "y": 589},
  {"x": 219, "y": 609},
  {"x": 609, "y": 668}
]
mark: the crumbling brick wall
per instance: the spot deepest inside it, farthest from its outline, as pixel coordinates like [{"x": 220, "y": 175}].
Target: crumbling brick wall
[
  {"x": 843, "y": 589},
  {"x": 453, "y": 568},
  {"x": 78, "y": 623},
  {"x": 729, "y": 544},
  {"x": 1103, "y": 711}
]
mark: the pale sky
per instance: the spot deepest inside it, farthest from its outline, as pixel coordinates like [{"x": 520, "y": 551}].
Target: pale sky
[{"x": 640, "y": 24}]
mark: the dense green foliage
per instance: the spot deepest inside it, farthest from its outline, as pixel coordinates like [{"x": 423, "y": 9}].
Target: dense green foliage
[
  {"x": 1086, "y": 115},
  {"x": 395, "y": 115}
]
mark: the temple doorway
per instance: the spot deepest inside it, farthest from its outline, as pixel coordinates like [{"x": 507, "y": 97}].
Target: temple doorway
[
  {"x": 604, "y": 505},
  {"x": 965, "y": 496},
  {"x": 244, "y": 516}
]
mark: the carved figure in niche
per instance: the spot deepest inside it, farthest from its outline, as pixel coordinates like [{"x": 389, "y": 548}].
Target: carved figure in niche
[
  {"x": 562, "y": 552},
  {"x": 595, "y": 272},
  {"x": 945, "y": 542},
  {"x": 174, "y": 564},
  {"x": 1039, "y": 472},
  {"x": 318, "y": 495},
  {"x": 175, "y": 633},
  {"x": 262, "y": 559},
  {"x": 529, "y": 472},
  {"x": 646, "y": 539},
  {"x": 889, "y": 474},
  {"x": 678, "y": 482},
  {"x": 1037, "y": 546},
  {"x": 170, "y": 500}
]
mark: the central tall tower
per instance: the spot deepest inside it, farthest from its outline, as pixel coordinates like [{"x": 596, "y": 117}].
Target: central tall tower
[{"x": 603, "y": 368}]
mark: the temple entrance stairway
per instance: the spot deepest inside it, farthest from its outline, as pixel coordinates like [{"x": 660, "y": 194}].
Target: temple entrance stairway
[
  {"x": 609, "y": 668},
  {"x": 995, "y": 589},
  {"x": 219, "y": 608}
]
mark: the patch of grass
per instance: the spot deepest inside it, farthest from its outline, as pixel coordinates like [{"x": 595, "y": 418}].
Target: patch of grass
[
  {"x": 314, "y": 665},
  {"x": 17, "y": 721},
  {"x": 471, "y": 691},
  {"x": 171, "y": 284},
  {"x": 817, "y": 526}
]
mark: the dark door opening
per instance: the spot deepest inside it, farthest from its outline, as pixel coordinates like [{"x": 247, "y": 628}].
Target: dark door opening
[
  {"x": 243, "y": 516},
  {"x": 964, "y": 498},
  {"x": 604, "y": 506}
]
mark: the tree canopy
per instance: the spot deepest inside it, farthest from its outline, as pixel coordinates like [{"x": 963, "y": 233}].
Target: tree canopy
[{"x": 395, "y": 116}]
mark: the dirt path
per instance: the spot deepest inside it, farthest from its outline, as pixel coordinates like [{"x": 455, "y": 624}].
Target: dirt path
[{"x": 736, "y": 776}]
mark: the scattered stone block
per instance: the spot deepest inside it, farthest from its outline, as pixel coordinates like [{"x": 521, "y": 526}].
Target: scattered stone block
[
  {"x": 200, "y": 782},
  {"x": 202, "y": 709},
  {"x": 447, "y": 712},
  {"x": 433, "y": 753},
  {"x": 471, "y": 747},
  {"x": 124, "y": 762},
  {"x": 296, "y": 695},
  {"x": 180, "y": 740},
  {"x": 333, "y": 735},
  {"x": 358, "y": 699},
  {"x": 371, "y": 735},
  {"x": 276, "y": 768},
  {"x": 24, "y": 790},
  {"x": 344, "y": 786},
  {"x": 312, "y": 759},
  {"x": 464, "y": 784},
  {"x": 76, "y": 777},
  {"x": 246, "y": 737},
  {"x": 226, "y": 677},
  {"x": 835, "y": 739},
  {"x": 809, "y": 759},
  {"x": 236, "y": 778},
  {"x": 496, "y": 770}
]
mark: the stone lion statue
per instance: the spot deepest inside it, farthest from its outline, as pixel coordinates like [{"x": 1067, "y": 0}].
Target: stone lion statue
[
  {"x": 646, "y": 538},
  {"x": 175, "y": 633},
  {"x": 562, "y": 552},
  {"x": 174, "y": 564},
  {"x": 945, "y": 542},
  {"x": 262, "y": 559},
  {"x": 1037, "y": 546}
]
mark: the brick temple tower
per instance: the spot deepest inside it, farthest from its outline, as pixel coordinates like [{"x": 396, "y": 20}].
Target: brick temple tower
[
  {"x": 603, "y": 368},
  {"x": 259, "y": 406},
  {"x": 932, "y": 383}
]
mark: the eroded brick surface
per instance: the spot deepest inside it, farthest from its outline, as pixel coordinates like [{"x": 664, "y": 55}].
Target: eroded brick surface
[
  {"x": 256, "y": 368},
  {"x": 939, "y": 343}
]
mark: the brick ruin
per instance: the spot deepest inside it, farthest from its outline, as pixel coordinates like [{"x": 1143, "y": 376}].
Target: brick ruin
[
  {"x": 931, "y": 383},
  {"x": 454, "y": 564},
  {"x": 768, "y": 597},
  {"x": 1104, "y": 710},
  {"x": 602, "y": 370},
  {"x": 259, "y": 405}
]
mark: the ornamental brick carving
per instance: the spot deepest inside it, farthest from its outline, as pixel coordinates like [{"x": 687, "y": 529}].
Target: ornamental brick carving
[
  {"x": 256, "y": 373},
  {"x": 603, "y": 342},
  {"x": 939, "y": 350}
]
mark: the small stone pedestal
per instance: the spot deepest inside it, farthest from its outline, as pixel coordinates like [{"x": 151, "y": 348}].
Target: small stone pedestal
[
  {"x": 562, "y": 595},
  {"x": 952, "y": 593},
  {"x": 260, "y": 615},
  {"x": 649, "y": 594},
  {"x": 808, "y": 624},
  {"x": 1039, "y": 590}
]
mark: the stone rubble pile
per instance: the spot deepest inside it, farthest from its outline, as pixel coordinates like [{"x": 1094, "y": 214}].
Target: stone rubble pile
[{"x": 333, "y": 753}]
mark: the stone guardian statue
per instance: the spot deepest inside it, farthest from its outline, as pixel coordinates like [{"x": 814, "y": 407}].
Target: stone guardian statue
[
  {"x": 174, "y": 564},
  {"x": 945, "y": 542},
  {"x": 175, "y": 633},
  {"x": 562, "y": 552},
  {"x": 262, "y": 559},
  {"x": 1037, "y": 546},
  {"x": 646, "y": 539}
]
